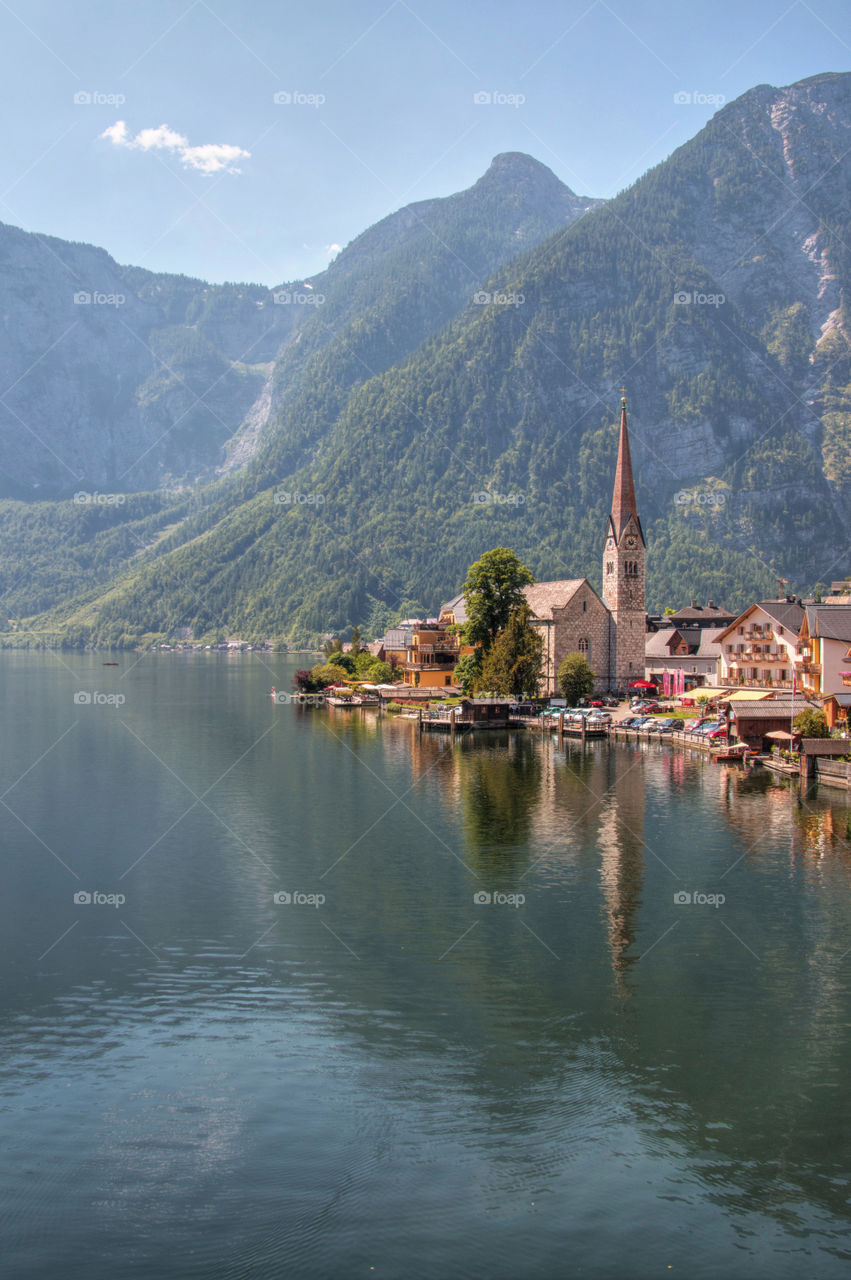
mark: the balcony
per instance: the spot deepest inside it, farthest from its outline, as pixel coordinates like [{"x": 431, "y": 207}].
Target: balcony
[{"x": 441, "y": 646}]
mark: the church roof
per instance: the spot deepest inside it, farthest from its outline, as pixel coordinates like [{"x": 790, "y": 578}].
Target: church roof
[
  {"x": 543, "y": 597},
  {"x": 623, "y": 495}
]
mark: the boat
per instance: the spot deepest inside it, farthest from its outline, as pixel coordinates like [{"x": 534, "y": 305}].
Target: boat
[{"x": 344, "y": 700}]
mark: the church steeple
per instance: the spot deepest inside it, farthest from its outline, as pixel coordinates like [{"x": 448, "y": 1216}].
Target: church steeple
[
  {"x": 623, "y": 495},
  {"x": 624, "y": 572}
]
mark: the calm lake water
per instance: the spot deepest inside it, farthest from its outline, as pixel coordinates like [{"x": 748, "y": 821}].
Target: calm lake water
[{"x": 384, "y": 1076}]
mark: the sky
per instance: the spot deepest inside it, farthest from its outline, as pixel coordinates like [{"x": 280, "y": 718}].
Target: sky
[{"x": 251, "y": 140}]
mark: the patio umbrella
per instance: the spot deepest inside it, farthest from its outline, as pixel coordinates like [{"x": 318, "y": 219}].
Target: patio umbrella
[{"x": 641, "y": 684}]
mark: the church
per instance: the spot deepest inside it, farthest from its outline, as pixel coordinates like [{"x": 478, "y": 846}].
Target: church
[{"x": 570, "y": 615}]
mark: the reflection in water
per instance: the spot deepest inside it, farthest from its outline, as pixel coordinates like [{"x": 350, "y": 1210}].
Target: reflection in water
[{"x": 293, "y": 1089}]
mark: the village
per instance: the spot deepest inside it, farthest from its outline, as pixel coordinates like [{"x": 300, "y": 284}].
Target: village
[{"x": 701, "y": 676}]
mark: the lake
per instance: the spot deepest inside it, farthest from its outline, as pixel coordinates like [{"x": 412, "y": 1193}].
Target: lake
[{"x": 295, "y": 991}]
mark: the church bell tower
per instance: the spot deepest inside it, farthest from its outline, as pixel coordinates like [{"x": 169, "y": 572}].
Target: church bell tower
[{"x": 623, "y": 573}]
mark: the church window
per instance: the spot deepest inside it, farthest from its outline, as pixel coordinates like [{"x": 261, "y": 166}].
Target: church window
[
  {"x": 585, "y": 648},
  {"x": 584, "y": 606},
  {"x": 610, "y": 567}
]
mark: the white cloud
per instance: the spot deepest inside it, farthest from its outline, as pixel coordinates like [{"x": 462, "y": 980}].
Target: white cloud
[
  {"x": 332, "y": 249},
  {"x": 210, "y": 158}
]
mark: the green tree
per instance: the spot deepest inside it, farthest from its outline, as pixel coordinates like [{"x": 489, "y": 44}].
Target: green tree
[
  {"x": 812, "y": 724},
  {"x": 334, "y": 645},
  {"x": 467, "y": 671},
  {"x": 493, "y": 590},
  {"x": 512, "y": 665},
  {"x": 575, "y": 678},
  {"x": 328, "y": 673},
  {"x": 357, "y": 647}
]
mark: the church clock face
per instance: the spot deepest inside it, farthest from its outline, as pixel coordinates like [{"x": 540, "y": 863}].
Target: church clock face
[{"x": 631, "y": 541}]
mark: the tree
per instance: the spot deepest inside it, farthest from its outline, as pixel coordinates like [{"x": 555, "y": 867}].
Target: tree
[
  {"x": 328, "y": 673},
  {"x": 812, "y": 724},
  {"x": 493, "y": 590},
  {"x": 334, "y": 645},
  {"x": 467, "y": 671},
  {"x": 357, "y": 647},
  {"x": 575, "y": 678},
  {"x": 512, "y": 666}
]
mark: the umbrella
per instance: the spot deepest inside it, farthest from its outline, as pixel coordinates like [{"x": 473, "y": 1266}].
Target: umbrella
[{"x": 641, "y": 684}]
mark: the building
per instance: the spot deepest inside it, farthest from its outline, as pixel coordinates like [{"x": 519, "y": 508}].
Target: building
[
  {"x": 624, "y": 588},
  {"x": 692, "y": 616},
  {"x": 824, "y": 638},
  {"x": 572, "y": 619},
  {"x": 693, "y": 650},
  {"x": 431, "y": 656},
  {"x": 757, "y": 723},
  {"x": 760, "y": 648}
]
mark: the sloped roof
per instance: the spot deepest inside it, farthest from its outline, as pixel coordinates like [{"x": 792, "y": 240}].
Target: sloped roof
[
  {"x": 778, "y": 709},
  {"x": 457, "y": 606},
  {"x": 786, "y": 613},
  {"x": 709, "y": 646},
  {"x": 543, "y": 597},
  {"x": 398, "y": 637},
  {"x": 657, "y": 644},
  {"x": 830, "y": 621},
  {"x": 699, "y": 613}
]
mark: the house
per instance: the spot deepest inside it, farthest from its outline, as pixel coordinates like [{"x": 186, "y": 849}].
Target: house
[
  {"x": 753, "y": 721},
  {"x": 760, "y": 648},
  {"x": 693, "y": 615},
  {"x": 824, "y": 638},
  {"x": 431, "y": 656},
  {"x": 835, "y": 708},
  {"x": 693, "y": 650}
]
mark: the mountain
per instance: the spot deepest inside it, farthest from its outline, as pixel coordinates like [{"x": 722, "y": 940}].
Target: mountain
[{"x": 714, "y": 288}]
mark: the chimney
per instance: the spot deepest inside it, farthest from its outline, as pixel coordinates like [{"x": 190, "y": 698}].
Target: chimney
[
  {"x": 694, "y": 604},
  {"x": 711, "y": 605}
]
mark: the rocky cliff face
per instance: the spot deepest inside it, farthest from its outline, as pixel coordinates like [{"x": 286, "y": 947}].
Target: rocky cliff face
[{"x": 117, "y": 378}]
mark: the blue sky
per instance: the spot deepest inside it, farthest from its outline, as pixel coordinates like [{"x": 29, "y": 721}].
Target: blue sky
[{"x": 382, "y": 110}]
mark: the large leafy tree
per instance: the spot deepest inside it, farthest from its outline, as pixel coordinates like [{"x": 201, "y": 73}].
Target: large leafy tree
[
  {"x": 512, "y": 666},
  {"x": 493, "y": 591},
  {"x": 575, "y": 678}
]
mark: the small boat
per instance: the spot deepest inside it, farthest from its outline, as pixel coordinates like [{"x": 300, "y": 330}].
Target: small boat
[
  {"x": 109, "y": 664},
  {"x": 344, "y": 700}
]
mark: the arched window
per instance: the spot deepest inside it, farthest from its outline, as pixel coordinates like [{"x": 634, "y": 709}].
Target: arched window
[
  {"x": 584, "y": 647},
  {"x": 610, "y": 567}
]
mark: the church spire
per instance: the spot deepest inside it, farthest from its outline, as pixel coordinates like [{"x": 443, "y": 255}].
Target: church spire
[{"x": 623, "y": 496}]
